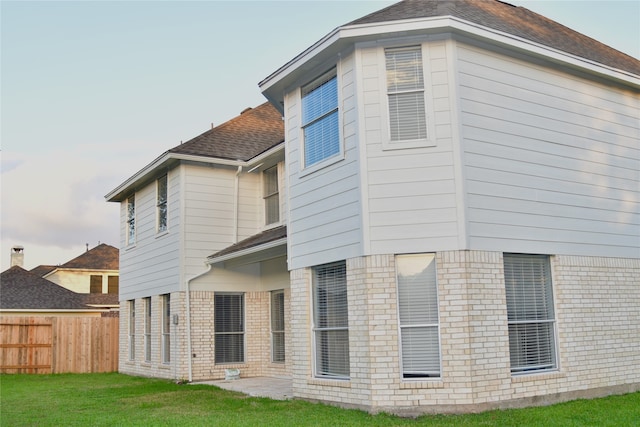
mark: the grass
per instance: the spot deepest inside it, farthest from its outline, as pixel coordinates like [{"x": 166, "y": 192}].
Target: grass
[{"x": 121, "y": 400}]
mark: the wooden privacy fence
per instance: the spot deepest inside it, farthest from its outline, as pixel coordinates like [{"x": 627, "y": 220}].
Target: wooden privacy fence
[{"x": 45, "y": 345}]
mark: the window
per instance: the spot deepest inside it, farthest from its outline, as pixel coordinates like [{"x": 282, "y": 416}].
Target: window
[
  {"x": 405, "y": 91},
  {"x": 95, "y": 284},
  {"x": 530, "y": 312},
  {"x": 113, "y": 284},
  {"x": 132, "y": 329},
  {"x": 131, "y": 220},
  {"x": 166, "y": 328},
  {"x": 229, "y": 328},
  {"x": 161, "y": 204},
  {"x": 277, "y": 326},
  {"x": 147, "y": 329},
  {"x": 271, "y": 195},
  {"x": 320, "y": 122},
  {"x": 418, "y": 314},
  {"x": 331, "y": 320}
]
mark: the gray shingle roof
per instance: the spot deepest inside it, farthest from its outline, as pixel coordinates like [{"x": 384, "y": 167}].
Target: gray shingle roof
[
  {"x": 267, "y": 236},
  {"x": 251, "y": 133},
  {"x": 21, "y": 289},
  {"x": 514, "y": 20}
]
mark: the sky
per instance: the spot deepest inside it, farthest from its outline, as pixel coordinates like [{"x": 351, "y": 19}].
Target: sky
[{"x": 92, "y": 91}]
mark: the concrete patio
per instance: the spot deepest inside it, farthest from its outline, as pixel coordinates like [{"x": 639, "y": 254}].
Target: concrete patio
[{"x": 273, "y": 388}]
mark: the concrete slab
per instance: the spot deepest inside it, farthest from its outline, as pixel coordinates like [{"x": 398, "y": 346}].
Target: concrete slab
[{"x": 273, "y": 388}]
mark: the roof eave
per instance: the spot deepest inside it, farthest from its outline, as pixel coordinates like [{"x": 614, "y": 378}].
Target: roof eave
[
  {"x": 213, "y": 260},
  {"x": 275, "y": 85}
]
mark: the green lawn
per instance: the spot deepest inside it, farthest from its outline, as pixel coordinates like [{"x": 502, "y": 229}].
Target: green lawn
[{"x": 121, "y": 400}]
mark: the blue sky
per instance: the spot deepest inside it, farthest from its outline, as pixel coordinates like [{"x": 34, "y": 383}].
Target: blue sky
[{"x": 93, "y": 91}]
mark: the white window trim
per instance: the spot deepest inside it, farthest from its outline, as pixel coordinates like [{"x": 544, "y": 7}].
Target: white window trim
[
  {"x": 147, "y": 328},
  {"x": 266, "y": 196},
  {"x": 131, "y": 241},
  {"x": 160, "y": 231},
  {"x": 131, "y": 329},
  {"x": 430, "y": 140},
  {"x": 340, "y": 155},
  {"x": 244, "y": 329},
  {"x": 272, "y": 293},
  {"x": 166, "y": 329}
]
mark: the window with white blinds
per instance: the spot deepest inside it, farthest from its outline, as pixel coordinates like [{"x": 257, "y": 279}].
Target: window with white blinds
[
  {"x": 418, "y": 314},
  {"x": 320, "y": 122},
  {"x": 147, "y": 329},
  {"x": 132, "y": 329},
  {"x": 331, "y": 320},
  {"x": 530, "y": 312},
  {"x": 161, "y": 204},
  {"x": 166, "y": 328},
  {"x": 229, "y": 328},
  {"x": 405, "y": 91},
  {"x": 277, "y": 326},
  {"x": 271, "y": 195}
]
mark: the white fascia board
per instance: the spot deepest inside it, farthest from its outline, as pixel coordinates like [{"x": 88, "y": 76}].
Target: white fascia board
[
  {"x": 152, "y": 167},
  {"x": 249, "y": 251},
  {"x": 371, "y": 32}
]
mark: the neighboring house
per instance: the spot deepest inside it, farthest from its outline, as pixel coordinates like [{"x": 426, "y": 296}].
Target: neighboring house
[
  {"x": 96, "y": 271},
  {"x": 23, "y": 293},
  {"x": 457, "y": 228}
]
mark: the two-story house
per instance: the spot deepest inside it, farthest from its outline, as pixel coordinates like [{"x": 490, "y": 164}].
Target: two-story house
[{"x": 460, "y": 187}]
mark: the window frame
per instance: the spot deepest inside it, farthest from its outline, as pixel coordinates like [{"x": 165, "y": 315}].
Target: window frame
[
  {"x": 529, "y": 314},
  {"x": 131, "y": 329},
  {"x": 269, "y": 195},
  {"x": 166, "y": 328},
  {"x": 429, "y": 140},
  {"x": 432, "y": 325},
  {"x": 162, "y": 204},
  {"x": 95, "y": 280},
  {"x": 219, "y": 334},
  {"x": 131, "y": 220},
  {"x": 305, "y": 124},
  {"x": 147, "y": 328},
  {"x": 278, "y": 345},
  {"x": 324, "y": 337}
]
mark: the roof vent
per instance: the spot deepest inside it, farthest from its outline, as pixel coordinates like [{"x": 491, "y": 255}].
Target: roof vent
[{"x": 245, "y": 110}]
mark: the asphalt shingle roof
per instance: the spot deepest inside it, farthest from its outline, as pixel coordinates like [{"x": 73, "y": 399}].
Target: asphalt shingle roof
[
  {"x": 514, "y": 20},
  {"x": 102, "y": 257},
  {"x": 251, "y": 133},
  {"x": 267, "y": 236},
  {"x": 21, "y": 289}
]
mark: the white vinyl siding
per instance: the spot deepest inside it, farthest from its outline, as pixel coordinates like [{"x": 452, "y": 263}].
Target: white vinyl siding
[
  {"x": 530, "y": 313},
  {"x": 551, "y": 160},
  {"x": 320, "y": 121},
  {"x": 166, "y": 328},
  {"x": 331, "y": 320},
  {"x": 277, "y": 327},
  {"x": 405, "y": 91},
  {"x": 147, "y": 329},
  {"x": 325, "y": 217},
  {"x": 418, "y": 315},
  {"x": 229, "y": 328}
]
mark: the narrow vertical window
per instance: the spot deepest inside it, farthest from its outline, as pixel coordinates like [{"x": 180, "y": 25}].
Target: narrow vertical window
[
  {"x": 161, "y": 204},
  {"x": 418, "y": 315},
  {"x": 166, "y": 328},
  {"x": 277, "y": 326},
  {"x": 229, "y": 328},
  {"x": 131, "y": 220},
  {"x": 405, "y": 91},
  {"x": 331, "y": 320},
  {"x": 530, "y": 312},
  {"x": 320, "y": 122},
  {"x": 271, "y": 195},
  {"x": 95, "y": 284},
  {"x": 147, "y": 329},
  {"x": 132, "y": 329},
  {"x": 113, "y": 284}
]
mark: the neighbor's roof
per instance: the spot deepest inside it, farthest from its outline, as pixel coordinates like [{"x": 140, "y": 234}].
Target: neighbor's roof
[
  {"x": 102, "y": 257},
  {"x": 510, "y": 19},
  {"x": 244, "y": 137},
  {"x": 23, "y": 290},
  {"x": 43, "y": 270}
]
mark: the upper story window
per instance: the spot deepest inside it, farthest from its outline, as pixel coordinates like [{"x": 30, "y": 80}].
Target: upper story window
[
  {"x": 406, "y": 95},
  {"x": 320, "y": 122},
  {"x": 271, "y": 195},
  {"x": 161, "y": 204},
  {"x": 131, "y": 220}
]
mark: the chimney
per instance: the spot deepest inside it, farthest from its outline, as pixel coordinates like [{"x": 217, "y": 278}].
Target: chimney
[{"x": 17, "y": 256}]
